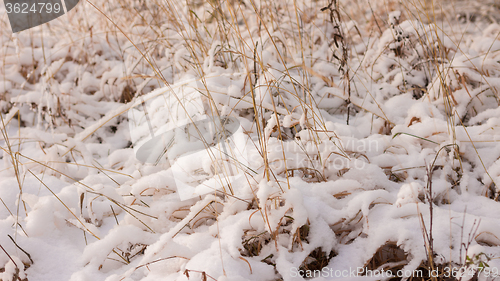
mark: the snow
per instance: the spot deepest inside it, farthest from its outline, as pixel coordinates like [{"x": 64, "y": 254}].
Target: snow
[{"x": 223, "y": 145}]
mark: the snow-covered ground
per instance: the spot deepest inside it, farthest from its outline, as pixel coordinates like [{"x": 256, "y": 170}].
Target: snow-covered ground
[{"x": 354, "y": 148}]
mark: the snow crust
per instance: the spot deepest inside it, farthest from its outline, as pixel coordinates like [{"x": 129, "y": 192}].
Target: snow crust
[{"x": 423, "y": 132}]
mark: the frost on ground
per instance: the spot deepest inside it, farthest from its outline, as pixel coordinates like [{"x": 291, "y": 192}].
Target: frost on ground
[{"x": 371, "y": 141}]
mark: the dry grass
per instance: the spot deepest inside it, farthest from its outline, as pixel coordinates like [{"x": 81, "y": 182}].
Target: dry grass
[{"x": 168, "y": 38}]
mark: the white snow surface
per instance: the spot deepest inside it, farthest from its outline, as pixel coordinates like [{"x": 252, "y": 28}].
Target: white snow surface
[{"x": 418, "y": 153}]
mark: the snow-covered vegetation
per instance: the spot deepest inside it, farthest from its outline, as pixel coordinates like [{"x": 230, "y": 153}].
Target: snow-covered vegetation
[{"x": 365, "y": 141}]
